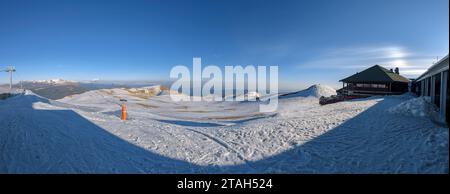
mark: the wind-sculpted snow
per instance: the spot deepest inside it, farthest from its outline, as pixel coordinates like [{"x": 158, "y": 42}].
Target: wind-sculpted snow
[{"x": 84, "y": 134}]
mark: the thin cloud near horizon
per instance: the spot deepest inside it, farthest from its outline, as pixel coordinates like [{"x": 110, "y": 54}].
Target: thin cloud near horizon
[{"x": 410, "y": 63}]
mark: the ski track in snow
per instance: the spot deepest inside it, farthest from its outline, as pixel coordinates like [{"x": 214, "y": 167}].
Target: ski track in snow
[{"x": 83, "y": 134}]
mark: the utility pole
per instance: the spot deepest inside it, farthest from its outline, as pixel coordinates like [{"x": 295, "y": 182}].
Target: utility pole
[{"x": 10, "y": 70}]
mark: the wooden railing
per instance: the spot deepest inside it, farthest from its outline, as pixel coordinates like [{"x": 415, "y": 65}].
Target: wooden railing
[{"x": 368, "y": 89}]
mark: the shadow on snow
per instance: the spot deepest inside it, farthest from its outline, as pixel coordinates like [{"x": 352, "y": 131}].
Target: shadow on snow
[{"x": 359, "y": 145}]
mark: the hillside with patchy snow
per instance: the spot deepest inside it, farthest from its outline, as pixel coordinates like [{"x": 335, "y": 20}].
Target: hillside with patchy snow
[{"x": 83, "y": 133}]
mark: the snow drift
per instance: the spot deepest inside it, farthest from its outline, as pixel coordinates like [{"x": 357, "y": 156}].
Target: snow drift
[{"x": 416, "y": 107}]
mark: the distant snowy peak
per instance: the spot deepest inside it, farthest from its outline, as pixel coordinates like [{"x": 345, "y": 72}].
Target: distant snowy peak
[
  {"x": 51, "y": 81},
  {"x": 317, "y": 91}
]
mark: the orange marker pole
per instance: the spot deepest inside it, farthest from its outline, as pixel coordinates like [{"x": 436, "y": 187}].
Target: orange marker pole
[{"x": 124, "y": 112}]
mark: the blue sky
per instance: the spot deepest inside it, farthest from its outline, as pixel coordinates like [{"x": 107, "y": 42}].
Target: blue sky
[{"x": 313, "y": 41}]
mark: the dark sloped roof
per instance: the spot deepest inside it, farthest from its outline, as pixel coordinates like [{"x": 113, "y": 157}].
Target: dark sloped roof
[{"x": 376, "y": 73}]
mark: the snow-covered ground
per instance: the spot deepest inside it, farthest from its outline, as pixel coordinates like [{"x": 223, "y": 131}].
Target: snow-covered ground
[{"x": 84, "y": 134}]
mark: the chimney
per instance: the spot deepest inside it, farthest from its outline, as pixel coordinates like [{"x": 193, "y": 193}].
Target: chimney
[{"x": 397, "y": 71}]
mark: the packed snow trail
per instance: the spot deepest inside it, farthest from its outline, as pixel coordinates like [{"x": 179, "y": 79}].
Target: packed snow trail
[{"x": 84, "y": 135}]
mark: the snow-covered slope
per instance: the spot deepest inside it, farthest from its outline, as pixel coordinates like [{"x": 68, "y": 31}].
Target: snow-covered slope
[
  {"x": 250, "y": 96},
  {"x": 143, "y": 102},
  {"x": 313, "y": 91},
  {"x": 84, "y": 134},
  {"x": 38, "y": 137}
]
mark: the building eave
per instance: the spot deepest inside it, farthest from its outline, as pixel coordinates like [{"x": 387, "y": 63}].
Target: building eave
[{"x": 435, "y": 68}]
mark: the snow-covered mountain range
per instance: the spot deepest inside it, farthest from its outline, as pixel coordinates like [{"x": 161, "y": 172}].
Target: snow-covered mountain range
[{"x": 51, "y": 81}]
